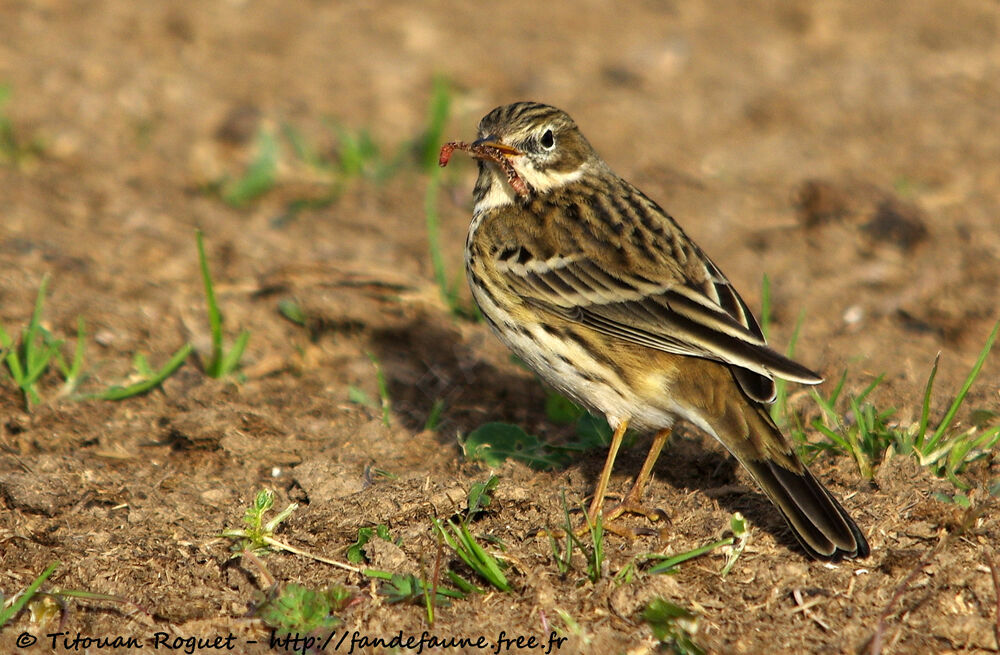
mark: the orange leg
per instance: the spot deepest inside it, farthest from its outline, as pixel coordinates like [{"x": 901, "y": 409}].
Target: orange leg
[
  {"x": 597, "y": 504},
  {"x": 632, "y": 503}
]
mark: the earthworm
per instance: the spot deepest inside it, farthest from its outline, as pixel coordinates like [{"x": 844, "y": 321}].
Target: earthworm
[{"x": 486, "y": 152}]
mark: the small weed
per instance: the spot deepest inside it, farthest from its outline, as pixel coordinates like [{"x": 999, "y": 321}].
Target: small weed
[
  {"x": 480, "y": 497},
  {"x": 673, "y": 625},
  {"x": 434, "y": 416},
  {"x": 354, "y": 154},
  {"x": 358, "y": 396},
  {"x": 399, "y": 588},
  {"x": 14, "y": 151},
  {"x": 563, "y": 557},
  {"x": 10, "y": 611},
  {"x": 222, "y": 362},
  {"x": 257, "y": 538},
  {"x": 485, "y": 565},
  {"x": 37, "y": 351},
  {"x": 741, "y": 535},
  {"x": 868, "y": 434},
  {"x": 594, "y": 555},
  {"x": 73, "y": 373},
  {"x": 459, "y": 538},
  {"x": 28, "y": 360},
  {"x": 494, "y": 443},
  {"x": 864, "y": 435},
  {"x": 259, "y": 177},
  {"x": 355, "y": 554},
  {"x": 358, "y": 155},
  {"x": 295, "y": 609},
  {"x": 947, "y": 451}
]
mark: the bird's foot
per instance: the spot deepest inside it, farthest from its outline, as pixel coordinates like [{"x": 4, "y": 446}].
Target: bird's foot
[{"x": 610, "y": 520}]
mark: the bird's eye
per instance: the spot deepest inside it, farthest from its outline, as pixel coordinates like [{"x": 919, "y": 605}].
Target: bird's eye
[{"x": 548, "y": 140}]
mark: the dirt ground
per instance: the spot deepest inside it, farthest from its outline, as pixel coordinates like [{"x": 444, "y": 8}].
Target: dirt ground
[{"x": 851, "y": 151}]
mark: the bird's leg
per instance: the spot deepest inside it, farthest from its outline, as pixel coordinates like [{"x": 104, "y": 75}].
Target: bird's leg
[
  {"x": 632, "y": 502},
  {"x": 602, "y": 484}
]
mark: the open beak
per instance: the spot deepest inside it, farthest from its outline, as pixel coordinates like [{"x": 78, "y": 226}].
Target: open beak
[{"x": 493, "y": 142}]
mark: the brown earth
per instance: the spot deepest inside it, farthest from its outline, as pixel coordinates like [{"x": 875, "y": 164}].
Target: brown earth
[{"x": 849, "y": 150}]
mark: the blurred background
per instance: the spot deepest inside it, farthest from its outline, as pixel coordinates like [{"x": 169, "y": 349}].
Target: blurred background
[{"x": 127, "y": 123}]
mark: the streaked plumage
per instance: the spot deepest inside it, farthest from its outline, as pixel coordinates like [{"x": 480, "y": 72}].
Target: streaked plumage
[{"x": 600, "y": 292}]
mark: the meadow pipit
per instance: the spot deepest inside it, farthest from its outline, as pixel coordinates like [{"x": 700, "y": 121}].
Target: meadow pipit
[{"x": 601, "y": 293}]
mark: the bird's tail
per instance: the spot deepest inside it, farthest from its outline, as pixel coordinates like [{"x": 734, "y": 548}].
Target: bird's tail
[{"x": 818, "y": 521}]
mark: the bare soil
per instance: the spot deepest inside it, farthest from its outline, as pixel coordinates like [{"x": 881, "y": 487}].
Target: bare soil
[{"x": 849, "y": 150}]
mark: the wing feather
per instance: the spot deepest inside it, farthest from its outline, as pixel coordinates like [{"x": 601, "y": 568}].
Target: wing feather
[{"x": 708, "y": 319}]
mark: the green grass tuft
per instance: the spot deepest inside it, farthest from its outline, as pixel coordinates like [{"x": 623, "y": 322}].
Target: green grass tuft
[
  {"x": 459, "y": 537},
  {"x": 29, "y": 359},
  {"x": 222, "y": 362},
  {"x": 851, "y": 424},
  {"x": 37, "y": 351}
]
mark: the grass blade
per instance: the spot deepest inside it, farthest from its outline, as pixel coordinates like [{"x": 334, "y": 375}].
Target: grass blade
[
  {"x": 214, "y": 315},
  {"x": 8, "y": 613},
  {"x": 668, "y": 563},
  {"x": 960, "y": 398},
  {"x": 139, "y": 388}
]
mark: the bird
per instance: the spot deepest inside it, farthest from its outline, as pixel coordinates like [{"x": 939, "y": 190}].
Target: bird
[{"x": 602, "y": 294}]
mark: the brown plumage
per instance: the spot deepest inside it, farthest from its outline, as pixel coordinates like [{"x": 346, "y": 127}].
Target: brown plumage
[{"x": 600, "y": 292}]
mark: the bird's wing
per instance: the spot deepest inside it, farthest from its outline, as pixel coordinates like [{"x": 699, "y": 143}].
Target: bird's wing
[{"x": 685, "y": 308}]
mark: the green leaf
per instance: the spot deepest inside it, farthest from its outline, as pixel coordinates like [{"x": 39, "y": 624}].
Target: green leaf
[
  {"x": 260, "y": 175},
  {"x": 144, "y": 386},
  {"x": 593, "y": 431},
  {"x": 669, "y": 562},
  {"x": 409, "y": 588},
  {"x": 358, "y": 396},
  {"x": 673, "y": 625},
  {"x": 292, "y": 311},
  {"x": 494, "y": 443},
  {"x": 479, "y": 495},
  {"x": 560, "y": 409},
  {"x": 303, "y": 610},
  {"x": 355, "y": 554}
]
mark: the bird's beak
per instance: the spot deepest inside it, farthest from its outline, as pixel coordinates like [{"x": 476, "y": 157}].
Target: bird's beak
[{"x": 493, "y": 142}]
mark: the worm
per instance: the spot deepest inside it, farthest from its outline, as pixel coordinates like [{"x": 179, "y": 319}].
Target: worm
[{"x": 486, "y": 152}]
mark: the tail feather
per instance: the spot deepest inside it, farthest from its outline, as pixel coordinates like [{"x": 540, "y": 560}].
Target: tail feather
[{"x": 819, "y": 522}]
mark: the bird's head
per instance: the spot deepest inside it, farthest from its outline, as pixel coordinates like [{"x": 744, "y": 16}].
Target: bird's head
[{"x": 527, "y": 148}]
